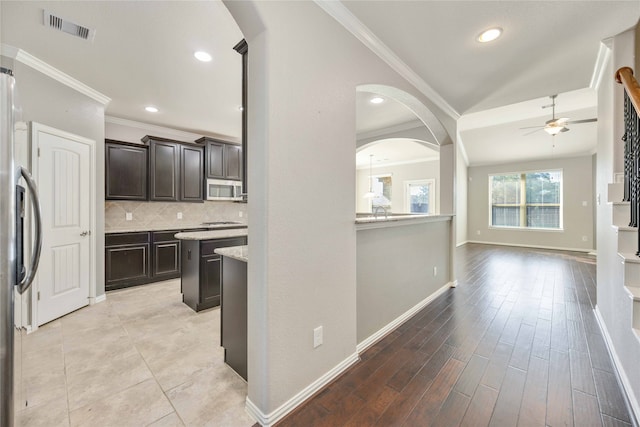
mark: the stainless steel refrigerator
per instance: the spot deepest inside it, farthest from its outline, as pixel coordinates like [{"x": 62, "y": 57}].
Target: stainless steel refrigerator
[{"x": 15, "y": 278}]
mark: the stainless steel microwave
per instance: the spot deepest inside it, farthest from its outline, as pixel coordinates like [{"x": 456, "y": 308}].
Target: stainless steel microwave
[{"x": 221, "y": 189}]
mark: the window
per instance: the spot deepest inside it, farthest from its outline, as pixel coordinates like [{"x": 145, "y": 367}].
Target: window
[
  {"x": 526, "y": 200},
  {"x": 420, "y": 196},
  {"x": 381, "y": 187}
]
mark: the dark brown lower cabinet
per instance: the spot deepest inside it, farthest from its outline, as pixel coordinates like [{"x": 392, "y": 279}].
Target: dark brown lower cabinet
[
  {"x": 137, "y": 258},
  {"x": 233, "y": 315},
  {"x": 202, "y": 271},
  {"x": 127, "y": 259},
  {"x": 166, "y": 255}
]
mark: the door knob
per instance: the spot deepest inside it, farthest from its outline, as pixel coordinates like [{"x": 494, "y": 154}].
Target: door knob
[{"x": 84, "y": 233}]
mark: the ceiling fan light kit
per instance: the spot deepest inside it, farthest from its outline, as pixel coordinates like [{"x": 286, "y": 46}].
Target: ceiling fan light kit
[{"x": 555, "y": 126}]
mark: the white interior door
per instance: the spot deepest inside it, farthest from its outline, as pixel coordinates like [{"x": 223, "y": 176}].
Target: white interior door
[{"x": 65, "y": 184}]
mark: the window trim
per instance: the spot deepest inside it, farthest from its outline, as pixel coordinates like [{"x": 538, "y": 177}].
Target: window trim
[
  {"x": 432, "y": 194},
  {"x": 524, "y": 195}
]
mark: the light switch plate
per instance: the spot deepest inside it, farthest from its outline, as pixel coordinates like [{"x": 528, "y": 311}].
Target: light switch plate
[{"x": 128, "y": 216}]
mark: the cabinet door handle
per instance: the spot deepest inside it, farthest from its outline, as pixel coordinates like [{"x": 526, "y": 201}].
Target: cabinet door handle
[{"x": 189, "y": 255}]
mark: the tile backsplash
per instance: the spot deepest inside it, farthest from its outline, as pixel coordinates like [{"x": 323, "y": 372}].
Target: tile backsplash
[{"x": 164, "y": 215}]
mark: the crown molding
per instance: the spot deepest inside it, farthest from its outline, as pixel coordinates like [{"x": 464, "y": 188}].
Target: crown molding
[
  {"x": 400, "y": 163},
  {"x": 413, "y": 124},
  {"x": 340, "y": 13},
  {"x": 154, "y": 129},
  {"x": 52, "y": 72},
  {"x": 600, "y": 67},
  {"x": 463, "y": 150}
]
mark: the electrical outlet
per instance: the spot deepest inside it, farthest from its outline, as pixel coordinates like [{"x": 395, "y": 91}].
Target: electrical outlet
[
  {"x": 584, "y": 238},
  {"x": 584, "y": 203},
  {"x": 240, "y": 214},
  {"x": 478, "y": 232},
  {"x": 435, "y": 271},
  {"x": 317, "y": 337},
  {"x": 179, "y": 215},
  {"x": 128, "y": 216}
]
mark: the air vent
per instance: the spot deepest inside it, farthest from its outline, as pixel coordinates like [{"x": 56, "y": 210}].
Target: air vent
[{"x": 61, "y": 24}]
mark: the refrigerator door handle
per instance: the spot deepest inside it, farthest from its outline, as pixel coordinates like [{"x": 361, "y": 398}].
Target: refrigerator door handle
[{"x": 25, "y": 283}]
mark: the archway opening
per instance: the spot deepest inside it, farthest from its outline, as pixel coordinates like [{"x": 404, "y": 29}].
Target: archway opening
[{"x": 397, "y": 154}]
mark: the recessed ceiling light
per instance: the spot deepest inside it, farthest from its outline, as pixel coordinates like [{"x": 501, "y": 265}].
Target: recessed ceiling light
[
  {"x": 202, "y": 56},
  {"x": 151, "y": 109},
  {"x": 376, "y": 100},
  {"x": 489, "y": 35}
]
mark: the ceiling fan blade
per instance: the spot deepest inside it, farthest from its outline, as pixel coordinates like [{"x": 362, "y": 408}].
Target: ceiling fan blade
[
  {"x": 573, "y": 122},
  {"x": 533, "y": 131},
  {"x": 565, "y": 129}
]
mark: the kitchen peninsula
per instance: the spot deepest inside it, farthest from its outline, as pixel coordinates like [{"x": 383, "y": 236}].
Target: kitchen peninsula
[{"x": 202, "y": 269}]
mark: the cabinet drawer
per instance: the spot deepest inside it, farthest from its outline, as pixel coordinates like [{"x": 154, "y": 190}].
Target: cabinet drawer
[
  {"x": 164, "y": 236},
  {"x": 207, "y": 247},
  {"x": 126, "y": 238}
]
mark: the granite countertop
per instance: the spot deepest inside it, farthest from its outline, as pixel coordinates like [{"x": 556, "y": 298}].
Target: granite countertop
[
  {"x": 364, "y": 223},
  {"x": 211, "y": 234},
  {"x": 166, "y": 228},
  {"x": 241, "y": 253}
]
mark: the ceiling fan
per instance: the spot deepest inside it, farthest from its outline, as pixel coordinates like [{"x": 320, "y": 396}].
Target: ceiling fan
[{"x": 556, "y": 125}]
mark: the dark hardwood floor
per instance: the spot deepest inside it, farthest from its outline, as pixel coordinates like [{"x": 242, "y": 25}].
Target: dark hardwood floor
[{"x": 515, "y": 344}]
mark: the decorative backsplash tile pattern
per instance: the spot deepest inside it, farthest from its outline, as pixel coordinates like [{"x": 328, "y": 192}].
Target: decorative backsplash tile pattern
[{"x": 163, "y": 215}]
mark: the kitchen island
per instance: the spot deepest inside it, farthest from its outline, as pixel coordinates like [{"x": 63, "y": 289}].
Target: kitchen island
[
  {"x": 233, "y": 307},
  {"x": 202, "y": 269}
]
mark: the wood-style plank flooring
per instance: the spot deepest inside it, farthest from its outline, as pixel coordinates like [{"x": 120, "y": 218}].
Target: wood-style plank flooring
[{"x": 515, "y": 344}]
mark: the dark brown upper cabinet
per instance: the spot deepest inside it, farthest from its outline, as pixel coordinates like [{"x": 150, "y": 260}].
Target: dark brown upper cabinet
[
  {"x": 223, "y": 159},
  {"x": 126, "y": 171},
  {"x": 191, "y": 173},
  {"x": 176, "y": 170}
]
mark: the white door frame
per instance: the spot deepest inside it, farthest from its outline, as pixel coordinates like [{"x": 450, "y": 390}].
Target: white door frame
[{"x": 35, "y": 130}]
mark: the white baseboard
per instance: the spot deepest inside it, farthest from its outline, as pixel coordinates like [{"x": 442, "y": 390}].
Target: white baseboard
[
  {"x": 626, "y": 384},
  {"x": 267, "y": 420},
  {"x": 462, "y": 243},
  {"x": 517, "y": 245},
  {"x": 96, "y": 300},
  {"x": 377, "y": 336}
]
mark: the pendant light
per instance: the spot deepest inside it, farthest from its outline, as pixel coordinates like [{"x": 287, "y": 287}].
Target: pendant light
[{"x": 370, "y": 194}]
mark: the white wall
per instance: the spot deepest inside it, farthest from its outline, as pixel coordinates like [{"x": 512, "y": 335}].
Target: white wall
[
  {"x": 51, "y": 103},
  {"x": 462, "y": 181},
  {"x": 303, "y": 72},
  {"x": 613, "y": 302},
  {"x": 400, "y": 174},
  {"x": 396, "y": 271},
  {"x": 578, "y": 219}
]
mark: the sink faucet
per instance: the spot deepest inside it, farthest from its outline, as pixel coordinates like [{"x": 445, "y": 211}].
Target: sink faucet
[{"x": 375, "y": 212}]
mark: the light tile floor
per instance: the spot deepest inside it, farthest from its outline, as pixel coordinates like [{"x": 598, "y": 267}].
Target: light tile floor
[{"x": 141, "y": 358}]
